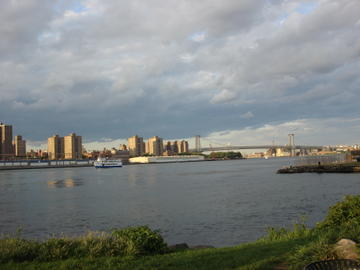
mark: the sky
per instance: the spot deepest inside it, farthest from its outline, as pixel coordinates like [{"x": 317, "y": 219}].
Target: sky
[{"x": 239, "y": 72}]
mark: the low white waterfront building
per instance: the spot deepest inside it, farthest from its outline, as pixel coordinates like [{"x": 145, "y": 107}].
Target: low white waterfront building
[{"x": 164, "y": 159}]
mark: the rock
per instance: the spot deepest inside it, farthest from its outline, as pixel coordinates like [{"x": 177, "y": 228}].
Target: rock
[
  {"x": 346, "y": 249},
  {"x": 178, "y": 247}
]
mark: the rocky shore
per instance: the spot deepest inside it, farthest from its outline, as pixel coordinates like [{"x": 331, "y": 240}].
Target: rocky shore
[{"x": 328, "y": 168}]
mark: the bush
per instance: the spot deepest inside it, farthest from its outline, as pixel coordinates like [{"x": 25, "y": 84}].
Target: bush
[
  {"x": 315, "y": 251},
  {"x": 298, "y": 231},
  {"x": 140, "y": 240},
  {"x": 343, "y": 213},
  {"x": 130, "y": 241},
  {"x": 58, "y": 249},
  {"x": 342, "y": 221},
  {"x": 17, "y": 250}
]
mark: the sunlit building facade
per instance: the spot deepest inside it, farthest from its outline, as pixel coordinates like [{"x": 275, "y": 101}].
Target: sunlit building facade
[
  {"x": 19, "y": 146},
  {"x": 72, "y": 146},
  {"x": 155, "y": 146},
  {"x": 136, "y": 146},
  {"x": 55, "y": 147}
]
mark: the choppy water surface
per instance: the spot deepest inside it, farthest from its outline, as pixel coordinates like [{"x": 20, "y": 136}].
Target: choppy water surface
[{"x": 211, "y": 203}]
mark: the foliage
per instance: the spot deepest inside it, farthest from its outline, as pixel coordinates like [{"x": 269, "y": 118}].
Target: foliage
[
  {"x": 16, "y": 249},
  {"x": 148, "y": 155},
  {"x": 140, "y": 240},
  {"x": 130, "y": 241},
  {"x": 342, "y": 221},
  {"x": 343, "y": 213},
  {"x": 299, "y": 231},
  {"x": 316, "y": 250},
  {"x": 225, "y": 155}
]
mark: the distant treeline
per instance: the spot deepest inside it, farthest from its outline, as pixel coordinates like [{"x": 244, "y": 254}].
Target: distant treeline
[{"x": 225, "y": 155}]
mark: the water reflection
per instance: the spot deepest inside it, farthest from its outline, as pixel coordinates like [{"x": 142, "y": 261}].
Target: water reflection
[
  {"x": 65, "y": 183},
  {"x": 132, "y": 176},
  {"x": 148, "y": 176}
]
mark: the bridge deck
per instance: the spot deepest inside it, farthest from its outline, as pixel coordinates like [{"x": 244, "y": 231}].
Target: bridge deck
[{"x": 223, "y": 148}]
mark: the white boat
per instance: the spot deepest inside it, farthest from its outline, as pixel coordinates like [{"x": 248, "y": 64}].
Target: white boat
[{"x": 107, "y": 163}]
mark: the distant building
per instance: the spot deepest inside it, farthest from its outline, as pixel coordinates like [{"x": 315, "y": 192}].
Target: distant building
[
  {"x": 55, "y": 147},
  {"x": 6, "y": 147},
  {"x": 136, "y": 146},
  {"x": 183, "y": 147},
  {"x": 280, "y": 152},
  {"x": 175, "y": 147},
  {"x": 37, "y": 154},
  {"x": 68, "y": 147},
  {"x": 19, "y": 146},
  {"x": 73, "y": 146},
  {"x": 123, "y": 147},
  {"x": 167, "y": 146},
  {"x": 155, "y": 146}
]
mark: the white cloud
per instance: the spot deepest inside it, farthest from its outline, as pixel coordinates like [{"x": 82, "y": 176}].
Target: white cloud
[
  {"x": 307, "y": 132},
  {"x": 224, "y": 96}
]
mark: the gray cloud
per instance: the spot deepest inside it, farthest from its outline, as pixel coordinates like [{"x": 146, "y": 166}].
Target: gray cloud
[{"x": 175, "y": 68}]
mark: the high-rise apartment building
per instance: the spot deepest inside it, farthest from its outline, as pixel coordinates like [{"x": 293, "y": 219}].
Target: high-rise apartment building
[
  {"x": 175, "y": 147},
  {"x": 155, "y": 146},
  {"x": 56, "y": 147},
  {"x": 68, "y": 147},
  {"x": 136, "y": 146},
  {"x": 167, "y": 147},
  {"x": 6, "y": 147},
  {"x": 19, "y": 146},
  {"x": 183, "y": 146},
  {"x": 72, "y": 146}
]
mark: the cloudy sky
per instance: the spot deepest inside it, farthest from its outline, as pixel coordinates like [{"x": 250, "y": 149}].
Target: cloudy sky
[{"x": 234, "y": 71}]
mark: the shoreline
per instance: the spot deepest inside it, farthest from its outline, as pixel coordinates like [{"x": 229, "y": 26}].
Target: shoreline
[
  {"x": 29, "y": 167},
  {"x": 12, "y": 168},
  {"x": 353, "y": 167}
]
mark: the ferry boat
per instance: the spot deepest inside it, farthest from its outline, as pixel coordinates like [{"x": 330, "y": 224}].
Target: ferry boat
[{"x": 107, "y": 163}]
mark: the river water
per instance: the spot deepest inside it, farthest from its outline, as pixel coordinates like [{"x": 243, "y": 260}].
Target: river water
[{"x": 219, "y": 203}]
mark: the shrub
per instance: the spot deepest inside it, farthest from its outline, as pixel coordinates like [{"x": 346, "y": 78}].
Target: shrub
[
  {"x": 18, "y": 250},
  {"x": 299, "y": 230},
  {"x": 140, "y": 241},
  {"x": 100, "y": 244},
  {"x": 315, "y": 251},
  {"x": 58, "y": 249},
  {"x": 130, "y": 241},
  {"x": 342, "y": 221},
  {"x": 343, "y": 213}
]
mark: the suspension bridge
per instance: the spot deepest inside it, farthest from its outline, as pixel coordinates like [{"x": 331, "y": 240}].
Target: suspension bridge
[{"x": 215, "y": 146}]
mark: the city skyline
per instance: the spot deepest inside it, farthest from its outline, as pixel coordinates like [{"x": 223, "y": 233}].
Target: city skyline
[
  {"x": 245, "y": 137},
  {"x": 238, "y": 72}
]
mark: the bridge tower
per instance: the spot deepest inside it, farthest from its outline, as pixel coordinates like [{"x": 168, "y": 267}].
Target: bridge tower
[
  {"x": 197, "y": 143},
  {"x": 292, "y": 144}
]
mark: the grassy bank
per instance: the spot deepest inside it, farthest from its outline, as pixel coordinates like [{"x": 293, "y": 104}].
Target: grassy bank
[{"x": 142, "y": 248}]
